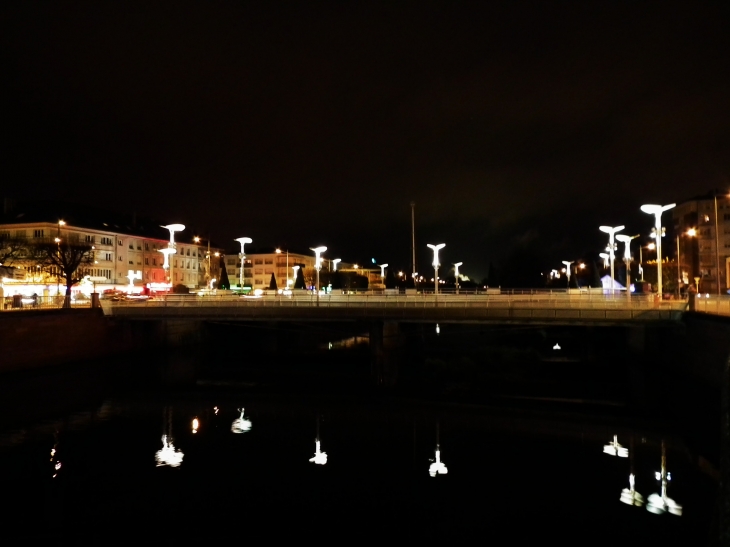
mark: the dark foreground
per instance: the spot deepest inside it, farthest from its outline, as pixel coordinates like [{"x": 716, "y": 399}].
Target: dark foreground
[{"x": 80, "y": 467}]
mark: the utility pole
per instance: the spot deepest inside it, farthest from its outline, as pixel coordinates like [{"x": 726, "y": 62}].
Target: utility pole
[{"x": 413, "y": 240}]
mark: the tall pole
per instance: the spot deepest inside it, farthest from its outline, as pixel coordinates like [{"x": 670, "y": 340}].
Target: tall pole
[
  {"x": 717, "y": 246},
  {"x": 679, "y": 270},
  {"x": 413, "y": 241},
  {"x": 436, "y": 264},
  {"x": 611, "y": 231},
  {"x": 657, "y": 211}
]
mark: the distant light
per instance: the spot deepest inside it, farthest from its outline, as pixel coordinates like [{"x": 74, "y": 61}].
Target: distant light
[
  {"x": 373, "y": 260},
  {"x": 556, "y": 346},
  {"x": 241, "y": 424},
  {"x": 196, "y": 423}
]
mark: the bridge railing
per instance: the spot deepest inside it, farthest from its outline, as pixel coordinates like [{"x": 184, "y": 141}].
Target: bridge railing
[{"x": 373, "y": 300}]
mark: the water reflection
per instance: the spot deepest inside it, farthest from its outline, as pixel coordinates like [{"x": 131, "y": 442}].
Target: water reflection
[
  {"x": 661, "y": 503},
  {"x": 320, "y": 458},
  {"x": 168, "y": 454},
  {"x": 241, "y": 424},
  {"x": 615, "y": 449},
  {"x": 437, "y": 467},
  {"x": 56, "y": 463},
  {"x": 195, "y": 425},
  {"x": 629, "y": 495}
]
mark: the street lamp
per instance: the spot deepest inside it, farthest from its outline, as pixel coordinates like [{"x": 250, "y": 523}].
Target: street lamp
[
  {"x": 382, "y": 271},
  {"x": 335, "y": 262},
  {"x": 657, "y": 211},
  {"x": 435, "y": 263},
  {"x": 242, "y": 256},
  {"x": 278, "y": 251},
  {"x": 690, "y": 233},
  {"x": 605, "y": 257},
  {"x": 295, "y": 268},
  {"x": 626, "y": 240},
  {"x": 318, "y": 265},
  {"x": 611, "y": 231},
  {"x": 456, "y": 274},
  {"x": 172, "y": 245},
  {"x": 567, "y": 269}
]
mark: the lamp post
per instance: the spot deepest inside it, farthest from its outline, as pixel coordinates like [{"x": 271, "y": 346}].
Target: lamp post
[
  {"x": 208, "y": 273},
  {"x": 436, "y": 264},
  {"x": 626, "y": 240},
  {"x": 611, "y": 231},
  {"x": 295, "y": 268},
  {"x": 657, "y": 211},
  {"x": 318, "y": 265},
  {"x": 278, "y": 251},
  {"x": 172, "y": 245},
  {"x": 456, "y": 274},
  {"x": 691, "y": 233},
  {"x": 335, "y": 262},
  {"x": 382, "y": 271},
  {"x": 242, "y": 256},
  {"x": 567, "y": 269}
]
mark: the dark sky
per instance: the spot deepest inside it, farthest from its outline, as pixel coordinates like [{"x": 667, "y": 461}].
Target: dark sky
[{"x": 304, "y": 124}]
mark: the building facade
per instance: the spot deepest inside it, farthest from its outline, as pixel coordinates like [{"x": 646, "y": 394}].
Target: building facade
[{"x": 702, "y": 242}]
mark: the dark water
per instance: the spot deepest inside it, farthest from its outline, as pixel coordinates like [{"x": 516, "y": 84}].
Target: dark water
[{"x": 80, "y": 468}]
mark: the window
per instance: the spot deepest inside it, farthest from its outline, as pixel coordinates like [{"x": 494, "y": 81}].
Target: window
[
  {"x": 131, "y": 262},
  {"x": 38, "y": 233},
  {"x": 258, "y": 271},
  {"x": 258, "y": 282},
  {"x": 106, "y": 241},
  {"x": 121, "y": 242},
  {"x": 258, "y": 261},
  {"x": 131, "y": 246},
  {"x": 188, "y": 253},
  {"x": 107, "y": 256},
  {"x": 120, "y": 259},
  {"x": 89, "y": 239},
  {"x": 146, "y": 246},
  {"x": 268, "y": 271},
  {"x": 154, "y": 262},
  {"x": 231, "y": 261},
  {"x": 269, "y": 261},
  {"x": 147, "y": 261}
]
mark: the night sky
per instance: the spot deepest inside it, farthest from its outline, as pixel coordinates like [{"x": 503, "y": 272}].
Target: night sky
[{"x": 512, "y": 126}]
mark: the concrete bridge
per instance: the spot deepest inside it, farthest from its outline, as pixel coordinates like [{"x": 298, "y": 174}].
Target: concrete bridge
[{"x": 534, "y": 308}]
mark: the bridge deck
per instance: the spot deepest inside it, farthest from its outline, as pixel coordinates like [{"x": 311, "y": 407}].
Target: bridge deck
[{"x": 421, "y": 308}]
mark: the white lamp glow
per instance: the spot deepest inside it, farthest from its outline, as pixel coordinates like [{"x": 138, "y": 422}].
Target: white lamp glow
[
  {"x": 657, "y": 211},
  {"x": 611, "y": 231},
  {"x": 242, "y": 256},
  {"x": 435, "y": 263}
]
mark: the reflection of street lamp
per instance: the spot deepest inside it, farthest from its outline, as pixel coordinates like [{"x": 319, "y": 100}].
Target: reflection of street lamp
[
  {"x": 437, "y": 467},
  {"x": 456, "y": 274},
  {"x": 241, "y": 424},
  {"x": 318, "y": 264},
  {"x": 611, "y": 231},
  {"x": 320, "y": 458},
  {"x": 436, "y": 264},
  {"x": 614, "y": 448},
  {"x": 242, "y": 256},
  {"x": 657, "y": 211},
  {"x": 660, "y": 503}
]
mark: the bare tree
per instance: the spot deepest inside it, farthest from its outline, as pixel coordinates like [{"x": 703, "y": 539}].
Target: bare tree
[
  {"x": 72, "y": 260},
  {"x": 12, "y": 249}
]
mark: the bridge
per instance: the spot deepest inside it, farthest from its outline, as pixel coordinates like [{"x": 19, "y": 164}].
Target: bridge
[{"x": 546, "y": 307}]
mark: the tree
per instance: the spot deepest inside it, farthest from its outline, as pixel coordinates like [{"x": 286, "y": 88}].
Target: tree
[
  {"x": 299, "y": 281},
  {"x": 390, "y": 281},
  {"x": 223, "y": 283},
  {"x": 272, "y": 283},
  {"x": 12, "y": 248},
  {"x": 71, "y": 258}
]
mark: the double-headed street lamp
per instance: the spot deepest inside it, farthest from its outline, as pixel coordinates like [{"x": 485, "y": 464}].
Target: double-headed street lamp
[
  {"x": 657, "y": 211},
  {"x": 611, "y": 231},
  {"x": 626, "y": 240},
  {"x": 435, "y": 263},
  {"x": 242, "y": 256}
]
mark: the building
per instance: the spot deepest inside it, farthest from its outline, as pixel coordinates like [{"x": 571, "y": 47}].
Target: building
[
  {"x": 126, "y": 250},
  {"x": 702, "y": 242}
]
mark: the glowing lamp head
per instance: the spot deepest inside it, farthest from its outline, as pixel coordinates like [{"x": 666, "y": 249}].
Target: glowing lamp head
[
  {"x": 174, "y": 228},
  {"x": 318, "y": 255},
  {"x": 436, "y": 249},
  {"x": 335, "y": 262},
  {"x": 691, "y": 232},
  {"x": 382, "y": 269}
]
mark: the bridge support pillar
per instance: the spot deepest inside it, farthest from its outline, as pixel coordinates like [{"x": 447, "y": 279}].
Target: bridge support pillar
[{"x": 386, "y": 342}]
